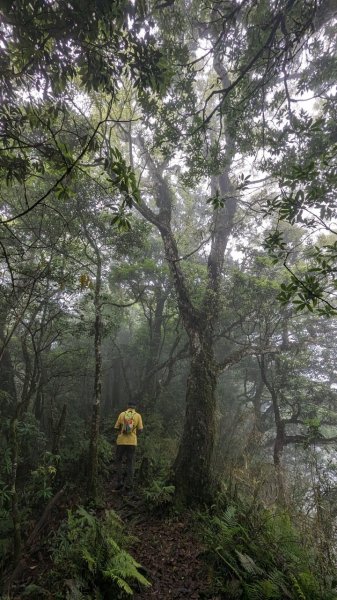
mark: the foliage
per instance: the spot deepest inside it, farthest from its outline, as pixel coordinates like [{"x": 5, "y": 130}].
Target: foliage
[
  {"x": 35, "y": 592},
  {"x": 47, "y": 48},
  {"x": 158, "y": 496},
  {"x": 258, "y": 554},
  {"x": 105, "y": 453},
  {"x": 33, "y": 441},
  {"x": 90, "y": 557},
  {"x": 306, "y": 199},
  {"x": 56, "y": 45},
  {"x": 157, "y": 452},
  {"x": 74, "y": 456},
  {"x": 5, "y": 525},
  {"x": 42, "y": 478}
]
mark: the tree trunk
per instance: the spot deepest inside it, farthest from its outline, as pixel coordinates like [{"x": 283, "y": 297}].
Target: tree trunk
[
  {"x": 57, "y": 432},
  {"x": 7, "y": 379},
  {"x": 14, "y": 446},
  {"x": 96, "y": 406},
  {"x": 192, "y": 473},
  {"x": 21, "y": 408},
  {"x": 95, "y": 415},
  {"x": 150, "y": 385},
  {"x": 280, "y": 439},
  {"x": 116, "y": 395}
]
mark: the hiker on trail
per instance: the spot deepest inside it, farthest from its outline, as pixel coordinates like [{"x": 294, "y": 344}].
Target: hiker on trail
[{"x": 128, "y": 424}]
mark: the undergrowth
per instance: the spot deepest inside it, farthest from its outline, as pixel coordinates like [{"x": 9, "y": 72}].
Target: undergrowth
[
  {"x": 90, "y": 560},
  {"x": 158, "y": 496},
  {"x": 154, "y": 475},
  {"x": 257, "y": 555}
]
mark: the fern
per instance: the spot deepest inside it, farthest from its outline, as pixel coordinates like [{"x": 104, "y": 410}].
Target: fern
[
  {"x": 35, "y": 591},
  {"x": 309, "y": 584},
  {"x": 158, "y": 495},
  {"x": 89, "y": 553},
  {"x": 90, "y": 560},
  {"x": 229, "y": 517},
  {"x": 248, "y": 564},
  {"x": 85, "y": 519},
  {"x": 279, "y": 579},
  {"x": 122, "y": 585},
  {"x": 297, "y": 588},
  {"x": 262, "y": 590},
  {"x": 257, "y": 555},
  {"x": 122, "y": 565}
]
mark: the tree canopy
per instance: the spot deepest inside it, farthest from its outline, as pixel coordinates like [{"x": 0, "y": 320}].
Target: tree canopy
[{"x": 168, "y": 237}]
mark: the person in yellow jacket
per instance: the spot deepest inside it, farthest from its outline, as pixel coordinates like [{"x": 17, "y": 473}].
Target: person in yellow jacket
[{"x": 129, "y": 424}]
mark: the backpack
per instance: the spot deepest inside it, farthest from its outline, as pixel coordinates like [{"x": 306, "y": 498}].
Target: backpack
[{"x": 129, "y": 422}]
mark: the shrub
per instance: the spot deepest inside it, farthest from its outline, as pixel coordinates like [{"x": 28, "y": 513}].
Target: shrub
[{"x": 90, "y": 560}]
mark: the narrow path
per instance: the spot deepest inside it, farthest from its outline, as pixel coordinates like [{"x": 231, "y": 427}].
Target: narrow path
[
  {"x": 171, "y": 557},
  {"x": 168, "y": 551}
]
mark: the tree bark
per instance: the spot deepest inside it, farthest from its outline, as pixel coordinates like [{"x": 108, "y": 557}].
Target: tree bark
[
  {"x": 96, "y": 405},
  {"x": 7, "y": 379},
  {"x": 192, "y": 473},
  {"x": 14, "y": 447},
  {"x": 280, "y": 439},
  {"x": 20, "y": 409},
  {"x": 58, "y": 430},
  {"x": 150, "y": 385}
]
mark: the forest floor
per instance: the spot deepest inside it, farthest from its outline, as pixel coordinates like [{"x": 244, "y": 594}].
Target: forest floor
[{"x": 167, "y": 549}]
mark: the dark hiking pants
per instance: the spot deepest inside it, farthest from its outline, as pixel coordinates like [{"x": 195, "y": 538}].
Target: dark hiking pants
[{"x": 125, "y": 457}]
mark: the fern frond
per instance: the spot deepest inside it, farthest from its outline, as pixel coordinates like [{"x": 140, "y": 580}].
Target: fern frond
[
  {"x": 230, "y": 516},
  {"x": 262, "y": 590},
  {"x": 90, "y": 560},
  {"x": 248, "y": 564},
  {"x": 87, "y": 519},
  {"x": 277, "y": 577},
  {"x": 122, "y": 584},
  {"x": 299, "y": 592}
]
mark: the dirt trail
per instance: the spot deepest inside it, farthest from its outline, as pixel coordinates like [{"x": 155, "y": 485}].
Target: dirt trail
[
  {"x": 170, "y": 554},
  {"x": 168, "y": 551}
]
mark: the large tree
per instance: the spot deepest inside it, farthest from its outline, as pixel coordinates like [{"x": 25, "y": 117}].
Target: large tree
[{"x": 249, "y": 47}]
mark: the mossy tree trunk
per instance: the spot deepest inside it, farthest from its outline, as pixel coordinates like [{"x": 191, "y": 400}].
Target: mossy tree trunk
[
  {"x": 192, "y": 468},
  {"x": 19, "y": 410},
  {"x": 192, "y": 473},
  {"x": 14, "y": 447},
  {"x": 97, "y": 395}
]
